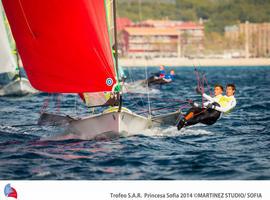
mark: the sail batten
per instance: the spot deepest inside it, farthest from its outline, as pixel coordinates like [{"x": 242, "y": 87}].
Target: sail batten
[{"x": 64, "y": 44}]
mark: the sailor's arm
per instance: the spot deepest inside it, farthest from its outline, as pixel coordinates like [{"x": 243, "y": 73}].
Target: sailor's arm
[
  {"x": 205, "y": 104},
  {"x": 208, "y": 98},
  {"x": 168, "y": 80},
  {"x": 230, "y": 106}
]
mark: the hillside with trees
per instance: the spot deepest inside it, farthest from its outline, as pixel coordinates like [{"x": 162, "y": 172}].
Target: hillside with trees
[{"x": 216, "y": 13}]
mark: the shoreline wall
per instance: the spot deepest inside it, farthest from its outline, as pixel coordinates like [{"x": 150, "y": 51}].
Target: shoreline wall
[{"x": 185, "y": 62}]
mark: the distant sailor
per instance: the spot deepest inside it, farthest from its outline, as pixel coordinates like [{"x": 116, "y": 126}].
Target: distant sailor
[
  {"x": 170, "y": 77},
  {"x": 161, "y": 77},
  {"x": 212, "y": 109},
  {"x": 161, "y": 71}
]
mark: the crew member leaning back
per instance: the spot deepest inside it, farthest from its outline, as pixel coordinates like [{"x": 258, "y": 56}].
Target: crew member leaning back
[{"x": 214, "y": 107}]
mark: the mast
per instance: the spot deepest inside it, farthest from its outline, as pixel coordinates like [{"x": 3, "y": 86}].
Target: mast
[
  {"x": 116, "y": 51},
  {"x": 18, "y": 62},
  {"x": 115, "y": 39}
]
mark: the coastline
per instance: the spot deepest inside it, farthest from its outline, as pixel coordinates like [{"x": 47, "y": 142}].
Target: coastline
[{"x": 185, "y": 62}]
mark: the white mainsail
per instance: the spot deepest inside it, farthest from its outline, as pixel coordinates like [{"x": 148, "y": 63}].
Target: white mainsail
[{"x": 7, "y": 59}]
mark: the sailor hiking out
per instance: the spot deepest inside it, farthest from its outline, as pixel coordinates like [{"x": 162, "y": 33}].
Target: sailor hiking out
[{"x": 212, "y": 109}]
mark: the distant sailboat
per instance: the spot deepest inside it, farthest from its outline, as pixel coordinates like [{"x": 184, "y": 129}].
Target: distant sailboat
[
  {"x": 66, "y": 47},
  {"x": 11, "y": 82}
]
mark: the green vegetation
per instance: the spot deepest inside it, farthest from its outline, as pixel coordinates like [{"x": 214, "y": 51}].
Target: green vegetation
[{"x": 216, "y": 13}]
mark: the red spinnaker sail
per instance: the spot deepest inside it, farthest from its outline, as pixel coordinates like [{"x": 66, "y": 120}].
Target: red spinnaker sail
[{"x": 64, "y": 44}]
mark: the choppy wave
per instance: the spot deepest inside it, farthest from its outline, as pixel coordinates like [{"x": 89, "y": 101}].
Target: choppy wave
[{"x": 236, "y": 147}]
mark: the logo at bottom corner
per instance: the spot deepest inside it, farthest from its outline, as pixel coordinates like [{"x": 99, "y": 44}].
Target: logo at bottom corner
[{"x": 10, "y": 191}]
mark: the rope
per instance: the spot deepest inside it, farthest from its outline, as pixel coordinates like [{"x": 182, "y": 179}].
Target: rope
[
  {"x": 208, "y": 87},
  {"x": 45, "y": 104},
  {"x": 75, "y": 104},
  {"x": 58, "y": 103},
  {"x": 133, "y": 81},
  {"x": 148, "y": 94},
  {"x": 167, "y": 108},
  {"x": 163, "y": 99},
  {"x": 198, "y": 79},
  {"x": 145, "y": 66},
  {"x": 200, "y": 83}
]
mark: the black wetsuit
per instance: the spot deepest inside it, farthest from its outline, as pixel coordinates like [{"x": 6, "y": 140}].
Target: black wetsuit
[
  {"x": 206, "y": 116},
  {"x": 156, "y": 80}
]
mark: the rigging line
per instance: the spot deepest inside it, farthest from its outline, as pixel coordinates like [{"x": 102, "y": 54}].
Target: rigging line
[
  {"x": 202, "y": 93},
  {"x": 208, "y": 87},
  {"x": 25, "y": 18},
  {"x": 200, "y": 83},
  {"x": 45, "y": 104},
  {"x": 115, "y": 39},
  {"x": 116, "y": 52},
  {"x": 168, "y": 108},
  {"x": 75, "y": 105},
  {"x": 164, "y": 99},
  {"x": 148, "y": 95},
  {"x": 201, "y": 86},
  {"x": 133, "y": 81},
  {"x": 173, "y": 100},
  {"x": 145, "y": 66},
  {"x": 58, "y": 102}
]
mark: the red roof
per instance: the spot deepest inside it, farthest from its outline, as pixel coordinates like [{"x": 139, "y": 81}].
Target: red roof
[
  {"x": 151, "y": 31},
  {"x": 172, "y": 24},
  {"x": 122, "y": 23}
]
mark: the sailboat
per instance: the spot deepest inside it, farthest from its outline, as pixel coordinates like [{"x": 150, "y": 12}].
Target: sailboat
[
  {"x": 11, "y": 81},
  {"x": 66, "y": 47}
]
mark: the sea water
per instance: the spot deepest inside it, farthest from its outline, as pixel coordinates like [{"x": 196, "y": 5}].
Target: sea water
[{"x": 236, "y": 147}]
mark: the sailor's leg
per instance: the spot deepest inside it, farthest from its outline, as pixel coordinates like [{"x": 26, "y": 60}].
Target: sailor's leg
[
  {"x": 191, "y": 112},
  {"x": 199, "y": 117},
  {"x": 213, "y": 116},
  {"x": 190, "y": 116}
]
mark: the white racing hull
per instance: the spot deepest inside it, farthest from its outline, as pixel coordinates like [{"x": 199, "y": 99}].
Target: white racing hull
[
  {"x": 105, "y": 125},
  {"x": 117, "y": 123},
  {"x": 19, "y": 87}
]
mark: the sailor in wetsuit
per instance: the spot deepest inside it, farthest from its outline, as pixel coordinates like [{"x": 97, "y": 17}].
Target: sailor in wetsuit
[
  {"x": 161, "y": 77},
  {"x": 157, "y": 76},
  {"x": 169, "y": 77},
  {"x": 212, "y": 109}
]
